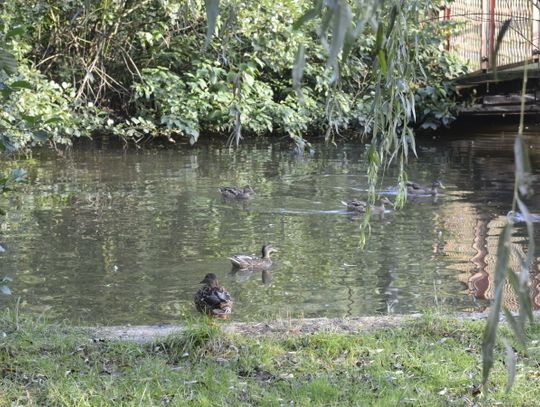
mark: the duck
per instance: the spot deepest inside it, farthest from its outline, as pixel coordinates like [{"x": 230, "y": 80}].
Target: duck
[
  {"x": 362, "y": 206},
  {"x": 243, "y": 262},
  {"x": 416, "y": 189},
  {"x": 519, "y": 217},
  {"x": 213, "y": 300},
  {"x": 236, "y": 192}
]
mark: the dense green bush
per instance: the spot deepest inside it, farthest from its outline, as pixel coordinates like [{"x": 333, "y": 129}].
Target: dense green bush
[{"x": 141, "y": 69}]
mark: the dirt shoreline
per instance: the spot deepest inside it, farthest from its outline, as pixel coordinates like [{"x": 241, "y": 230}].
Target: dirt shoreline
[{"x": 150, "y": 333}]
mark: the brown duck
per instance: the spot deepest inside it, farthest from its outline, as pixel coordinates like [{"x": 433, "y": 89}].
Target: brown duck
[
  {"x": 243, "y": 261},
  {"x": 416, "y": 189},
  {"x": 236, "y": 192},
  {"x": 213, "y": 300},
  {"x": 362, "y": 206}
]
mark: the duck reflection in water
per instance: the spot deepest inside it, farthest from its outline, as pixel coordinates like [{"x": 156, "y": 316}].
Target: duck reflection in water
[{"x": 241, "y": 276}]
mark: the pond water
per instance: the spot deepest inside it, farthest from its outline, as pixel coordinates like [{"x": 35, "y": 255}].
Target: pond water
[{"x": 109, "y": 235}]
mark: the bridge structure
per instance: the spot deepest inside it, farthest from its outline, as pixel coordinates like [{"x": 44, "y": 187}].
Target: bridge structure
[{"x": 496, "y": 79}]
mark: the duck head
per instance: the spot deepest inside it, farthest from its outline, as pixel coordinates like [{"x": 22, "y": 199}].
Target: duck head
[
  {"x": 267, "y": 250},
  {"x": 437, "y": 184},
  {"x": 248, "y": 190},
  {"x": 210, "y": 279}
]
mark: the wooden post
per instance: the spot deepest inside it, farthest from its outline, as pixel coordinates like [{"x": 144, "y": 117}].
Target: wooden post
[
  {"x": 535, "y": 40},
  {"x": 492, "y": 62},
  {"x": 484, "y": 35}
]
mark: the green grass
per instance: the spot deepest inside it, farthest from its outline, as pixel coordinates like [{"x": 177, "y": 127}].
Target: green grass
[{"x": 433, "y": 361}]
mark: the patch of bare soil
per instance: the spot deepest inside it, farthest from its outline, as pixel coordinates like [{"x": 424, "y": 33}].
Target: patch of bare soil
[{"x": 149, "y": 333}]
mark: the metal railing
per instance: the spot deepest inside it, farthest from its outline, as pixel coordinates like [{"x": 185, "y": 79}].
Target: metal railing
[{"x": 479, "y": 23}]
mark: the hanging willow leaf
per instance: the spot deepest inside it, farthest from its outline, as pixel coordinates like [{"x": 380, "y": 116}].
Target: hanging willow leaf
[
  {"x": 379, "y": 38},
  {"x": 308, "y": 15},
  {"x": 8, "y": 63},
  {"x": 212, "y": 12},
  {"x": 514, "y": 323},
  {"x": 342, "y": 24},
  {"x": 502, "y": 32},
  {"x": 391, "y": 20},
  {"x": 523, "y": 167},
  {"x": 382, "y": 62},
  {"x": 490, "y": 332},
  {"x": 298, "y": 70},
  {"x": 524, "y": 298},
  {"x": 347, "y": 45},
  {"x": 511, "y": 360}
]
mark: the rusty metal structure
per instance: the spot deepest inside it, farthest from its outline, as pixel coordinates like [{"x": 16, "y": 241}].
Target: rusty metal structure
[{"x": 480, "y": 23}]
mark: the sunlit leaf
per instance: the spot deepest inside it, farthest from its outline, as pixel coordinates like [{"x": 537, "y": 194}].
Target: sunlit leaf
[
  {"x": 21, "y": 85},
  {"x": 14, "y": 32},
  {"x": 212, "y": 12},
  {"x": 53, "y": 120}
]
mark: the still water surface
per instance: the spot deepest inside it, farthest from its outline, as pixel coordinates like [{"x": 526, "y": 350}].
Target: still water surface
[{"x": 113, "y": 236}]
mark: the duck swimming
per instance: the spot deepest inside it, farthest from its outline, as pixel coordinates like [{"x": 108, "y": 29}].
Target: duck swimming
[
  {"x": 361, "y": 206},
  {"x": 213, "y": 300},
  {"x": 242, "y": 261},
  {"x": 416, "y": 189},
  {"x": 236, "y": 192}
]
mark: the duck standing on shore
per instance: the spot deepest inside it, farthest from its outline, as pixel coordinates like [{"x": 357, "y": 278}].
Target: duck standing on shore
[{"x": 213, "y": 300}]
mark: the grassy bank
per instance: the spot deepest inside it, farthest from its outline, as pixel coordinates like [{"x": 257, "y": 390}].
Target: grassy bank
[{"x": 427, "y": 361}]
